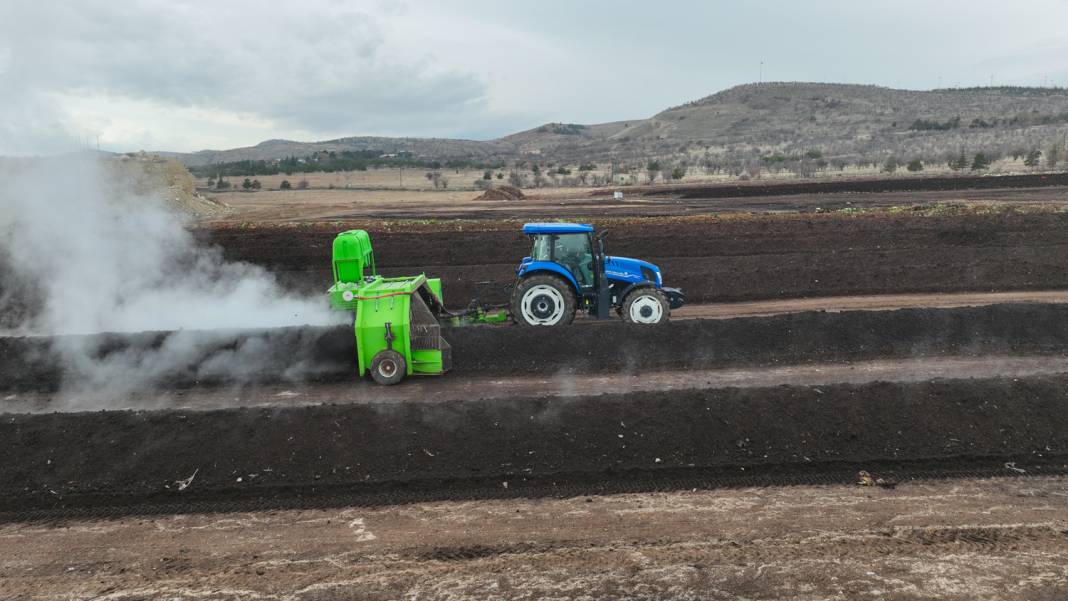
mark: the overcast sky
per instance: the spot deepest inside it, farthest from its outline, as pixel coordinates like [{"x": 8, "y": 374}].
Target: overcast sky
[{"x": 177, "y": 75}]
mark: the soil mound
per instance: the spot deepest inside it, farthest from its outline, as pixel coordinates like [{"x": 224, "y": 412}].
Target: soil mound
[
  {"x": 152, "y": 174},
  {"x": 502, "y": 193}
]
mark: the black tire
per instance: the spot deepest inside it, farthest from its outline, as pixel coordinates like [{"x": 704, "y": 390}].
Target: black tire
[
  {"x": 388, "y": 367},
  {"x": 646, "y": 306},
  {"x": 543, "y": 300}
]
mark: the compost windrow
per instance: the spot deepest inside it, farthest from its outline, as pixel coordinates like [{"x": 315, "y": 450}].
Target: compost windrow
[
  {"x": 869, "y": 185},
  {"x": 327, "y": 354},
  {"x": 71, "y": 459},
  {"x": 712, "y": 260}
]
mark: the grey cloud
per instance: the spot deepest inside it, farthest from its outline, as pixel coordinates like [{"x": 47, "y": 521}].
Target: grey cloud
[{"x": 314, "y": 66}]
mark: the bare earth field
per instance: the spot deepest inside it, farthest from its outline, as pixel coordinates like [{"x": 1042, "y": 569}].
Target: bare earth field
[
  {"x": 919, "y": 336},
  {"x": 306, "y": 206}
]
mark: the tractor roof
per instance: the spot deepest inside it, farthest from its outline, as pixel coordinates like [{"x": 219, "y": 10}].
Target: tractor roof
[{"x": 556, "y": 228}]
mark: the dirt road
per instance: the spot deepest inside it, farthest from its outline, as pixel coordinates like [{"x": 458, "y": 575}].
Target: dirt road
[
  {"x": 875, "y": 302},
  {"x": 1004, "y": 538},
  {"x": 448, "y": 389}
]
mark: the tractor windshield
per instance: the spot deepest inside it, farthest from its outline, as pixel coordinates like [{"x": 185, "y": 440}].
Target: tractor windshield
[{"x": 543, "y": 248}]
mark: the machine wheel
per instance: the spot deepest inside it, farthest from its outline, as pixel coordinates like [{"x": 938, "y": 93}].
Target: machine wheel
[
  {"x": 646, "y": 306},
  {"x": 388, "y": 367},
  {"x": 543, "y": 300}
]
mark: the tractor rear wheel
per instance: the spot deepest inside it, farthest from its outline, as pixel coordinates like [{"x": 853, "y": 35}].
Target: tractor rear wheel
[
  {"x": 388, "y": 367},
  {"x": 543, "y": 300},
  {"x": 646, "y": 306}
]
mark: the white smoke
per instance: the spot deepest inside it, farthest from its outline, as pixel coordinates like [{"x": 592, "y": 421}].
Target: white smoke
[{"x": 102, "y": 258}]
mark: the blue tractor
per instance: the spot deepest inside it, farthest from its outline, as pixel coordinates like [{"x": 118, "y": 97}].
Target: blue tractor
[{"x": 568, "y": 270}]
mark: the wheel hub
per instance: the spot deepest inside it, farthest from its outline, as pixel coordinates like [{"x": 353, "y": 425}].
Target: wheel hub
[{"x": 543, "y": 307}]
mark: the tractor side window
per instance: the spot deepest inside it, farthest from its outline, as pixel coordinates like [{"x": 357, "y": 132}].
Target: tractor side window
[
  {"x": 573, "y": 251},
  {"x": 543, "y": 246}
]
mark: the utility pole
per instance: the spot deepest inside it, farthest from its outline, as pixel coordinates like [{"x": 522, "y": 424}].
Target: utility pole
[{"x": 760, "y": 77}]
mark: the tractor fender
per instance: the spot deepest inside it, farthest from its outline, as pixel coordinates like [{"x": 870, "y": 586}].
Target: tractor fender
[
  {"x": 642, "y": 284},
  {"x": 537, "y": 267}
]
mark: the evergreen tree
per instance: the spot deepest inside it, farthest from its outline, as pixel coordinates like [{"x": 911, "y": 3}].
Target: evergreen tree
[
  {"x": 980, "y": 162},
  {"x": 1033, "y": 157}
]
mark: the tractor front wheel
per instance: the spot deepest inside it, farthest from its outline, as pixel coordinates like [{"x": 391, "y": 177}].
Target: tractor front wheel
[
  {"x": 388, "y": 367},
  {"x": 646, "y": 306},
  {"x": 543, "y": 300}
]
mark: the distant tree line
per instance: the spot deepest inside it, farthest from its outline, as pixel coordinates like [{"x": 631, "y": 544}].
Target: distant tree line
[
  {"x": 1020, "y": 120},
  {"x": 926, "y": 125},
  {"x": 563, "y": 129},
  {"x": 330, "y": 162}
]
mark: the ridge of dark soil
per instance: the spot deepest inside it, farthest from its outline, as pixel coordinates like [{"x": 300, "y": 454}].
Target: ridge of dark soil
[
  {"x": 712, "y": 260},
  {"x": 63, "y": 459},
  {"x": 873, "y": 185},
  {"x": 327, "y": 354}
]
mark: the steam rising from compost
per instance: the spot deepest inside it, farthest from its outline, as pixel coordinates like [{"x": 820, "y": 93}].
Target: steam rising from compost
[{"x": 101, "y": 257}]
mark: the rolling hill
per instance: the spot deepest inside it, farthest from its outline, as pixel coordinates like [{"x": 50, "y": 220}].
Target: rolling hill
[{"x": 841, "y": 120}]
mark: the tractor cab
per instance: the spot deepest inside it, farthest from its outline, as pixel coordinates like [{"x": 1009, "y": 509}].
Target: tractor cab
[
  {"x": 568, "y": 270},
  {"x": 569, "y": 246}
]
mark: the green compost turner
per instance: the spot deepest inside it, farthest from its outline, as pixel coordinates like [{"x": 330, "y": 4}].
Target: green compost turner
[{"x": 396, "y": 319}]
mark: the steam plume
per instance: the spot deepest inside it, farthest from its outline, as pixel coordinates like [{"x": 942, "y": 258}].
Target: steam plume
[{"x": 98, "y": 257}]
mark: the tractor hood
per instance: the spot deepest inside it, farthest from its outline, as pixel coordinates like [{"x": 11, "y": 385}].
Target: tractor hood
[{"x": 625, "y": 269}]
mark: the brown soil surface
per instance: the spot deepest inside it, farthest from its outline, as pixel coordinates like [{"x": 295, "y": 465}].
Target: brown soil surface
[{"x": 962, "y": 540}]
